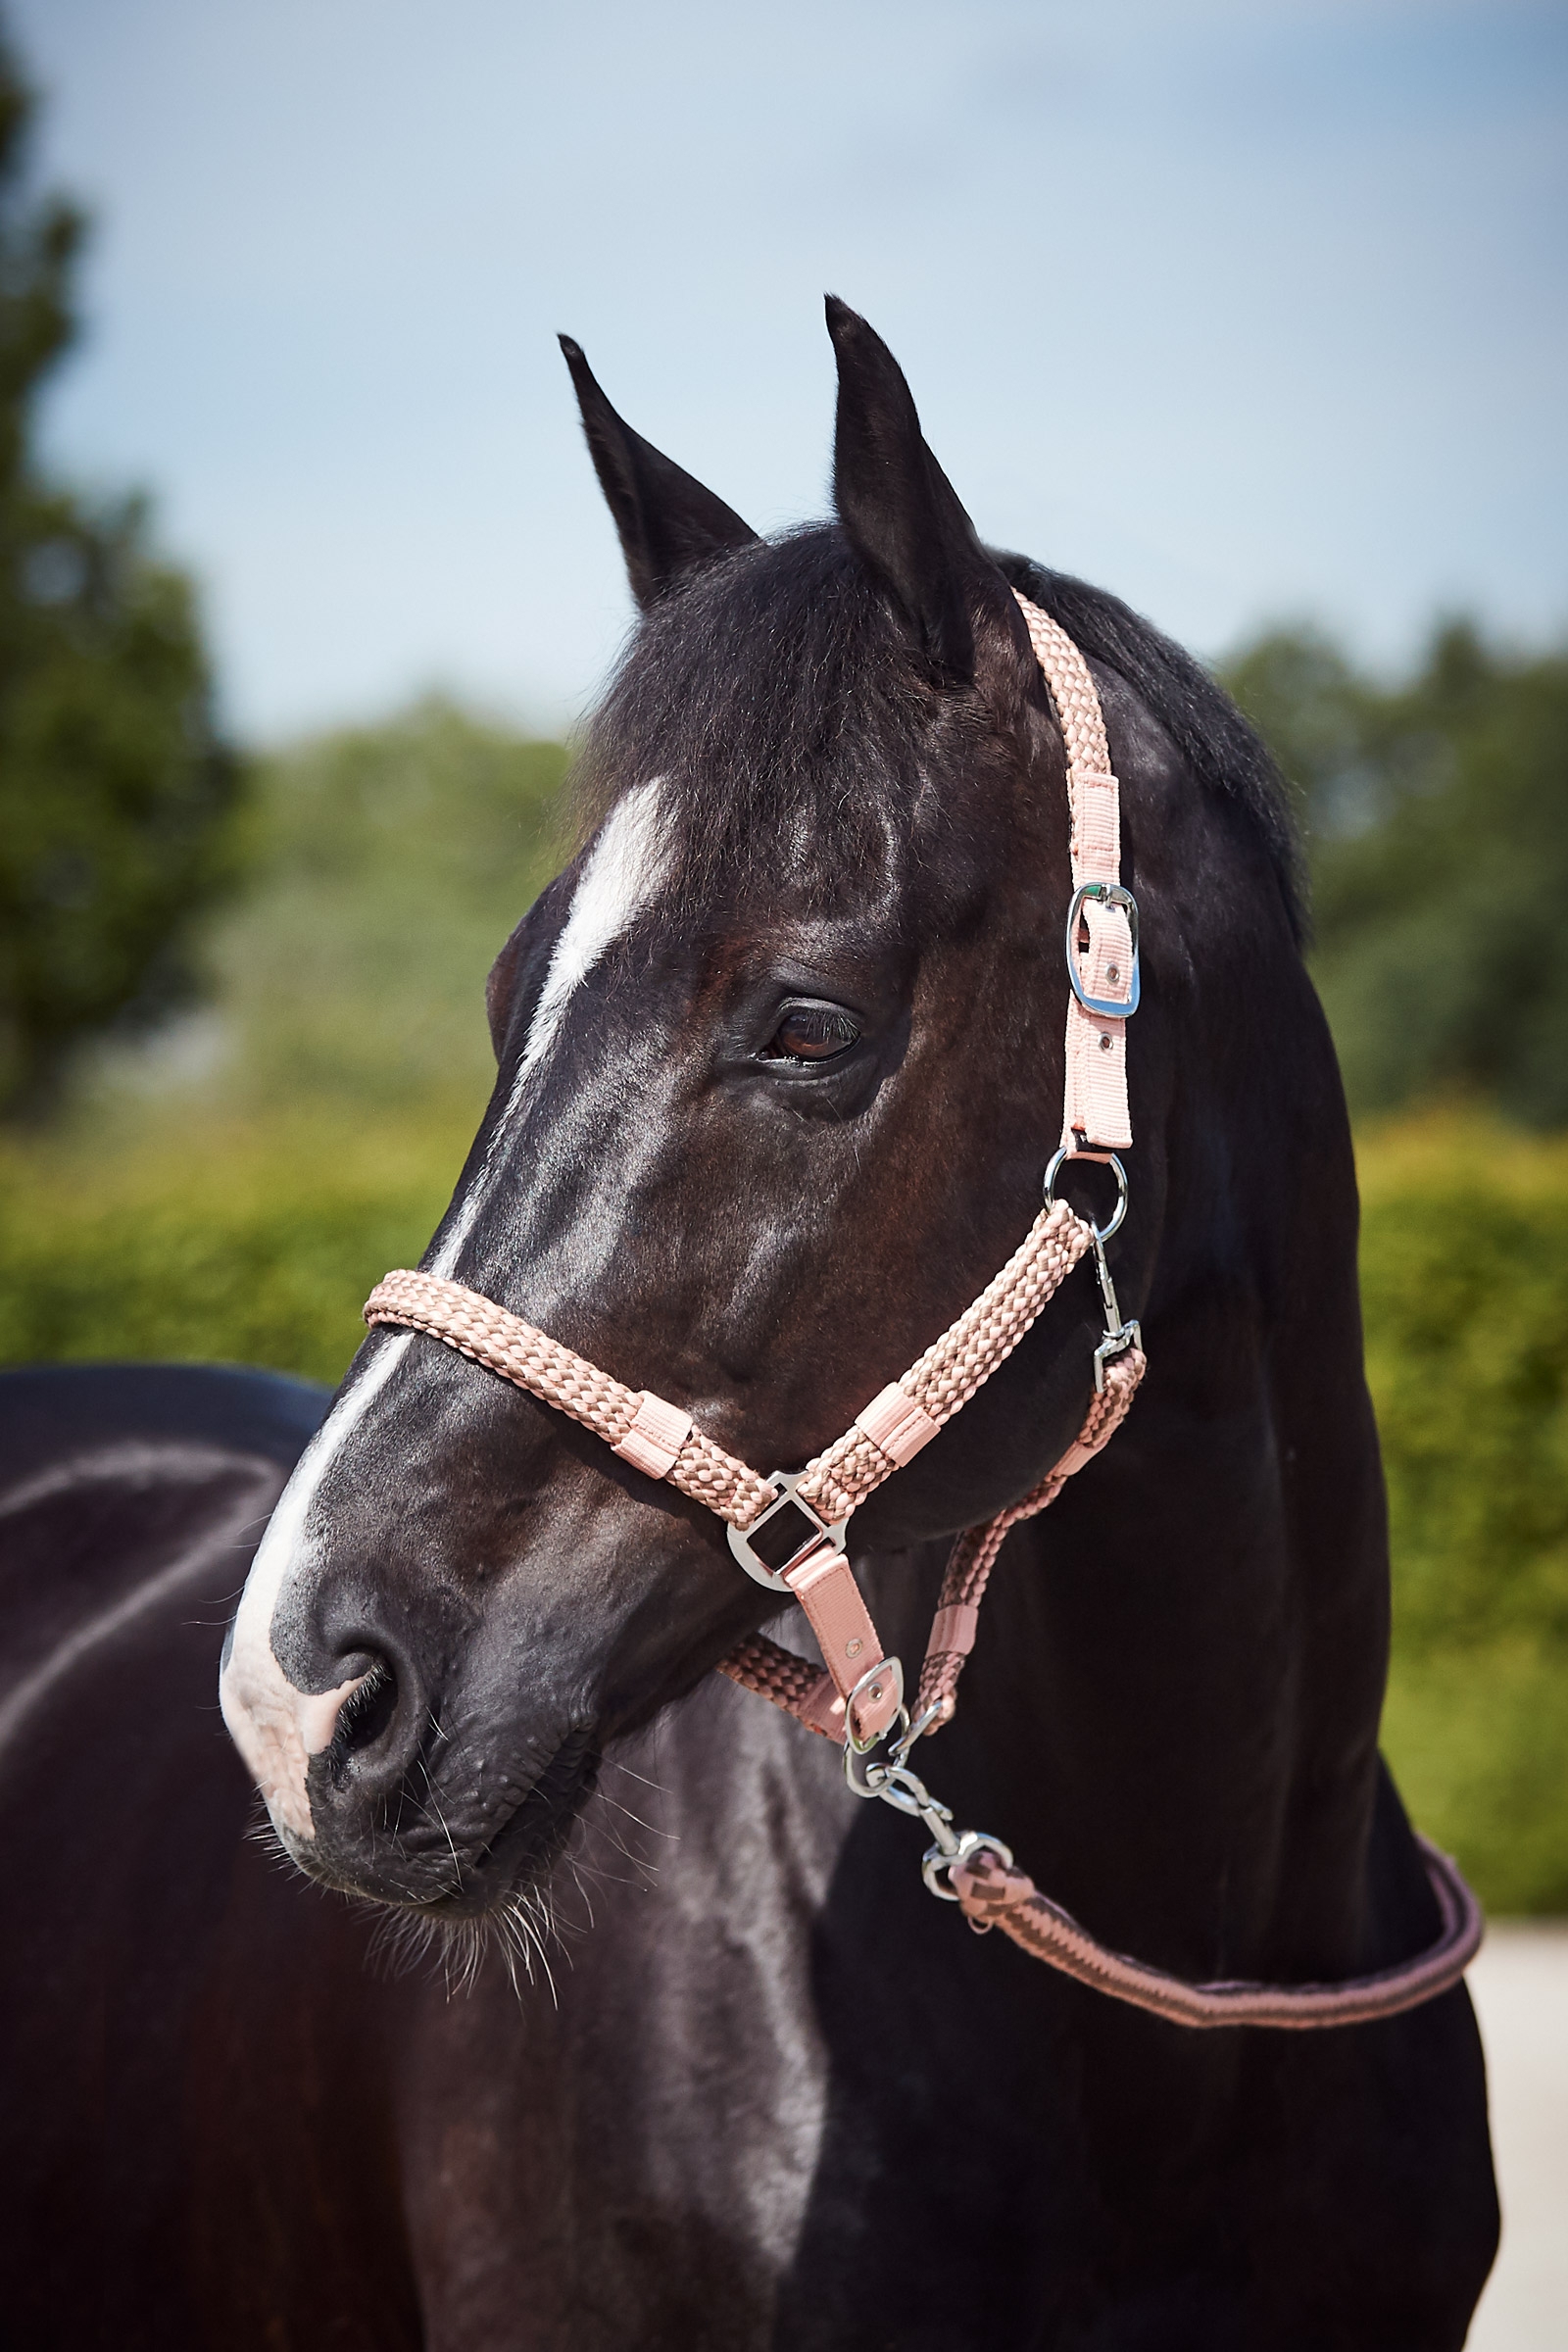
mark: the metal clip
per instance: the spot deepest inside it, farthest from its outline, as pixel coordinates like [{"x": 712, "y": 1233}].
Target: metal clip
[
  {"x": 905, "y": 1790},
  {"x": 1119, "y": 1336}
]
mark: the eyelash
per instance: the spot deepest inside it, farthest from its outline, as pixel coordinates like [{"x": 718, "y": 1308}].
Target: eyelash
[{"x": 823, "y": 1027}]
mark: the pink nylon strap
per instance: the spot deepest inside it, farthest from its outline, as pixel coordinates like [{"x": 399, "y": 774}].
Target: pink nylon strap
[
  {"x": 1096, "y": 1109},
  {"x": 897, "y": 1423},
  {"x": 657, "y": 1434},
  {"x": 824, "y": 1586}
]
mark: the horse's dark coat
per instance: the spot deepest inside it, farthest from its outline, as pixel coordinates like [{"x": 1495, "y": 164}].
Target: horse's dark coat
[{"x": 784, "y": 2098}]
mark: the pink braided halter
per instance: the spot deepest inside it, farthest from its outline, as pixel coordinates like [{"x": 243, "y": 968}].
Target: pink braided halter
[{"x": 787, "y": 1531}]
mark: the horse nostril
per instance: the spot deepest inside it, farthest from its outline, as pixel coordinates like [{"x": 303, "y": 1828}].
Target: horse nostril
[{"x": 365, "y": 1714}]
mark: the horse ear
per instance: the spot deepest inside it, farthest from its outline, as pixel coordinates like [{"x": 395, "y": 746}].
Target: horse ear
[
  {"x": 900, "y": 513},
  {"x": 668, "y": 523}
]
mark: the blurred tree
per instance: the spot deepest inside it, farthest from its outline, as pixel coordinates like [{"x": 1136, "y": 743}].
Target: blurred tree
[
  {"x": 116, "y": 798},
  {"x": 1436, "y": 817}
]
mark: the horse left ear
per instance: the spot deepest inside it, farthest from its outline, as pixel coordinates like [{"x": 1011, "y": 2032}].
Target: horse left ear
[
  {"x": 901, "y": 514},
  {"x": 668, "y": 523}
]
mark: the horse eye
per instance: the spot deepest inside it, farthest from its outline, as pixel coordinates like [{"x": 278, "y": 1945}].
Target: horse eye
[{"x": 812, "y": 1033}]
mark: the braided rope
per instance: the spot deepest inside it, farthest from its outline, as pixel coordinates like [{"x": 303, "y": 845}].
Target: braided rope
[
  {"x": 998, "y": 1894},
  {"x": 1073, "y": 690},
  {"x": 942, "y": 1380},
  {"x": 530, "y": 1359},
  {"x": 946, "y": 1377},
  {"x": 975, "y": 1554},
  {"x": 779, "y": 1675}
]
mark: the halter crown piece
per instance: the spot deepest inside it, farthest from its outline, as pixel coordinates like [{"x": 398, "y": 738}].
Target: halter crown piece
[{"x": 788, "y": 1529}]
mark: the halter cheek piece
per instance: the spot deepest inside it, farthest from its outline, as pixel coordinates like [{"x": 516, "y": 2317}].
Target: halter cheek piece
[{"x": 788, "y": 1529}]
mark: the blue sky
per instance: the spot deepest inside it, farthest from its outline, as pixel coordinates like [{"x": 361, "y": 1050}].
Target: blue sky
[{"x": 1243, "y": 307}]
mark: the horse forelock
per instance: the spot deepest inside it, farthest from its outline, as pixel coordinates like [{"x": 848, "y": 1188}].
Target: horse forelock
[{"x": 776, "y": 696}]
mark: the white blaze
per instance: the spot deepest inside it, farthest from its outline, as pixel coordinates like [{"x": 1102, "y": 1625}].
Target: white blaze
[
  {"x": 625, "y": 867},
  {"x": 277, "y": 1728}
]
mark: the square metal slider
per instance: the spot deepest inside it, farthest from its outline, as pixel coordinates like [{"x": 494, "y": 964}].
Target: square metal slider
[{"x": 784, "y": 1534}]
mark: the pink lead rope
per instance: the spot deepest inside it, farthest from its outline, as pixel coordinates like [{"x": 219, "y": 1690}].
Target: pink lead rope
[{"x": 787, "y": 1531}]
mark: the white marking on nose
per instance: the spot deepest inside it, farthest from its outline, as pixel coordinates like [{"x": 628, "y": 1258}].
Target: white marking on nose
[{"x": 277, "y": 1728}]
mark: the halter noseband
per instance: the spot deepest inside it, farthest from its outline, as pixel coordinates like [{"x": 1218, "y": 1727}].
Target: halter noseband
[{"x": 787, "y": 1531}]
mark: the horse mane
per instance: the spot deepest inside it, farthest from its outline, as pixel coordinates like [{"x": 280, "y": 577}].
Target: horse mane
[{"x": 766, "y": 679}]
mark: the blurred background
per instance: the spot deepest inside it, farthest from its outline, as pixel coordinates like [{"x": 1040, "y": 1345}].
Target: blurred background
[{"x": 1251, "y": 312}]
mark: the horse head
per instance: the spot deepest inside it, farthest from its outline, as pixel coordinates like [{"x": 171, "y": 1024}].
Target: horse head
[{"x": 779, "y": 1068}]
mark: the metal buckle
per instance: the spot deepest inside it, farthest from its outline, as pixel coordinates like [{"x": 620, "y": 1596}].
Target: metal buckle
[
  {"x": 893, "y": 1668},
  {"x": 789, "y": 1511},
  {"x": 1109, "y": 894}
]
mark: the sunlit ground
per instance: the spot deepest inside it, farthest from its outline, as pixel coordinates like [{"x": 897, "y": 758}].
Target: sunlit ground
[{"x": 1520, "y": 1987}]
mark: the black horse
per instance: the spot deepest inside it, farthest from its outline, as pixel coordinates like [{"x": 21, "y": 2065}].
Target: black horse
[{"x": 779, "y": 1066}]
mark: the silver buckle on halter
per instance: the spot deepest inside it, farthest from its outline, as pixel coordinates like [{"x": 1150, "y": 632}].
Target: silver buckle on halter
[
  {"x": 1109, "y": 894},
  {"x": 796, "y": 1530}
]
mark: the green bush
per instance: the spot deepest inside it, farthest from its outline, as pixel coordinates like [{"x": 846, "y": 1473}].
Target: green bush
[
  {"x": 392, "y": 863},
  {"x": 257, "y": 1242},
  {"x": 1464, "y": 1280},
  {"x": 1437, "y": 826},
  {"x": 242, "y": 1211},
  {"x": 254, "y": 1246}
]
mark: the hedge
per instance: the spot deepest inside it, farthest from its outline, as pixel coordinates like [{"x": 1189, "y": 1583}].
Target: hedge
[{"x": 257, "y": 1243}]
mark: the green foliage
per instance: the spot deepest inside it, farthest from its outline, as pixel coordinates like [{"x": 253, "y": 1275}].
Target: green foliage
[
  {"x": 1438, "y": 832},
  {"x": 115, "y": 793},
  {"x": 242, "y": 1209},
  {"x": 1464, "y": 1278},
  {"x": 252, "y": 1243},
  {"x": 391, "y": 864}
]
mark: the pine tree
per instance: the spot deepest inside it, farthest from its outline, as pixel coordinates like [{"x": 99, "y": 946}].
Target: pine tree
[{"x": 117, "y": 796}]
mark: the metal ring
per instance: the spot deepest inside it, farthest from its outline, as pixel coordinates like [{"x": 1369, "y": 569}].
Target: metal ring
[{"x": 1101, "y": 1233}]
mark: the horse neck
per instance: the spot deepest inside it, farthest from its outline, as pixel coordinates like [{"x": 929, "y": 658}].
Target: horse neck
[{"x": 1175, "y": 1695}]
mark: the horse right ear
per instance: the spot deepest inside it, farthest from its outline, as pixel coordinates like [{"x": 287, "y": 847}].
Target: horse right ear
[
  {"x": 668, "y": 523},
  {"x": 901, "y": 514}
]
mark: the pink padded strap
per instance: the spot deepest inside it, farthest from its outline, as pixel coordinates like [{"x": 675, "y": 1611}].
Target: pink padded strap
[
  {"x": 897, "y": 1425},
  {"x": 1096, "y": 1109},
  {"x": 824, "y": 1586},
  {"x": 657, "y": 1434},
  {"x": 975, "y": 1554}
]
